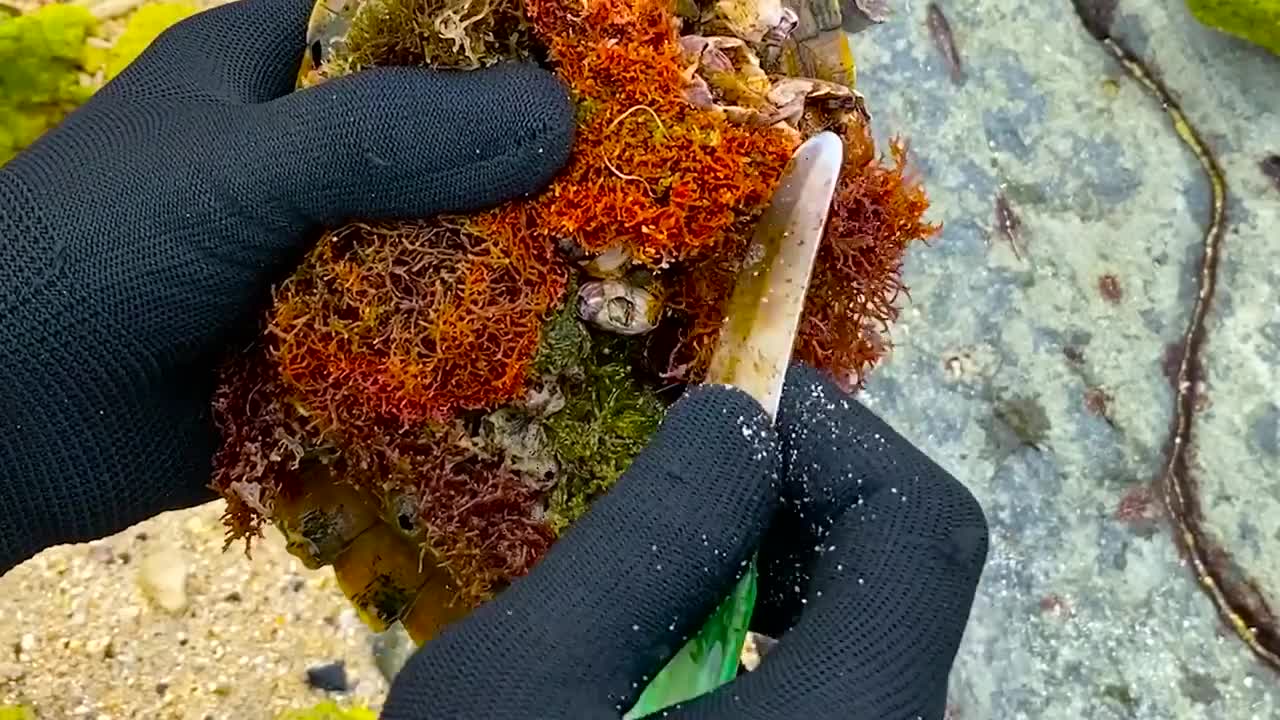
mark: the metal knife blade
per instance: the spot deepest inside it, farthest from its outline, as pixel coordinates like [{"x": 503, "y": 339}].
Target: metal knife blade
[{"x": 763, "y": 313}]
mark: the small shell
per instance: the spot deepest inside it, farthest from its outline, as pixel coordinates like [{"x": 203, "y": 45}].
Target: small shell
[
  {"x": 698, "y": 94},
  {"x": 520, "y": 441},
  {"x": 750, "y": 20},
  {"x": 729, "y": 66},
  {"x": 776, "y": 36},
  {"x": 618, "y": 307},
  {"x": 812, "y": 105},
  {"x": 786, "y": 24},
  {"x": 612, "y": 263},
  {"x": 862, "y": 14}
]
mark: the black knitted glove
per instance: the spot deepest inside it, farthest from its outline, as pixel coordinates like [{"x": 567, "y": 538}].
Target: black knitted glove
[
  {"x": 870, "y": 555},
  {"x": 139, "y": 240}
]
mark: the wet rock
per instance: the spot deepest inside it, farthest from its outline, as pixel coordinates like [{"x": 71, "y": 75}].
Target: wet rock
[
  {"x": 331, "y": 677},
  {"x": 163, "y": 579},
  {"x": 1201, "y": 688}
]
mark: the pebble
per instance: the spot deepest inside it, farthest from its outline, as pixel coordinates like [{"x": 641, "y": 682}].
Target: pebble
[
  {"x": 102, "y": 552},
  {"x": 331, "y": 677},
  {"x": 391, "y": 650},
  {"x": 27, "y": 643},
  {"x": 100, "y": 647},
  {"x": 11, "y": 672},
  {"x": 163, "y": 578}
]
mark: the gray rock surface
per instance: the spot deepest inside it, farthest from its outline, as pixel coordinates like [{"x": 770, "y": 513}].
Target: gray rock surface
[{"x": 1086, "y": 608}]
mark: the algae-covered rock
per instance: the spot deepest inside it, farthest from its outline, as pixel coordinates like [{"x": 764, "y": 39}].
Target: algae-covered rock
[
  {"x": 1257, "y": 21},
  {"x": 487, "y": 376},
  {"x": 329, "y": 710},
  {"x": 40, "y": 72}
]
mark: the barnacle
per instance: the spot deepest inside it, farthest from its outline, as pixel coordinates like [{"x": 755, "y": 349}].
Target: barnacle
[
  {"x": 433, "y": 401},
  {"x": 619, "y": 307}
]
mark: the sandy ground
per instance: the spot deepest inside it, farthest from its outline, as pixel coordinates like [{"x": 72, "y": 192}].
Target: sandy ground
[{"x": 219, "y": 636}]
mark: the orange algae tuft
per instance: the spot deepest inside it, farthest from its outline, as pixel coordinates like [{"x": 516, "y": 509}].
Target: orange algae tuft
[
  {"x": 649, "y": 172},
  {"x": 877, "y": 213},
  {"x": 397, "y": 324}
]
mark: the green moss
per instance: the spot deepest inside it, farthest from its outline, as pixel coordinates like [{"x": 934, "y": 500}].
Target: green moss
[
  {"x": 144, "y": 26},
  {"x": 607, "y": 419},
  {"x": 607, "y": 416},
  {"x": 16, "y": 712},
  {"x": 329, "y": 710},
  {"x": 40, "y": 65},
  {"x": 464, "y": 34},
  {"x": 45, "y": 64},
  {"x": 565, "y": 340},
  {"x": 1257, "y": 21}
]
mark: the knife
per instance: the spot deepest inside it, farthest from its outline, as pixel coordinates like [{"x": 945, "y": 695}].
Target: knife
[
  {"x": 756, "y": 341},
  {"x": 763, "y": 313}
]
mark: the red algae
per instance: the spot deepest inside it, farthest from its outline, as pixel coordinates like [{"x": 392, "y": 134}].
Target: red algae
[
  {"x": 649, "y": 172},
  {"x": 387, "y": 326},
  {"x": 878, "y": 212}
]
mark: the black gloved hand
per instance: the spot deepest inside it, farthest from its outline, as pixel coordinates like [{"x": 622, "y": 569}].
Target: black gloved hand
[
  {"x": 139, "y": 239},
  {"x": 870, "y": 555}
]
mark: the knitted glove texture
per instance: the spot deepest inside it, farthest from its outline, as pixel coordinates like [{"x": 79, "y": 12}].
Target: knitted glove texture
[
  {"x": 869, "y": 557},
  {"x": 140, "y": 238}
]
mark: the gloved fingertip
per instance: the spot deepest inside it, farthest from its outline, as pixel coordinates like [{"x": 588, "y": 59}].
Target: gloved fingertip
[{"x": 392, "y": 143}]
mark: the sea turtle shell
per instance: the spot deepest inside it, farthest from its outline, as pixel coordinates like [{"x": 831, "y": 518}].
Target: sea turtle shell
[{"x": 760, "y": 62}]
